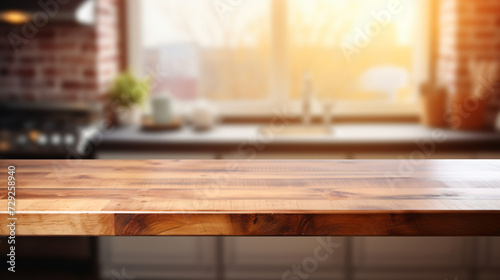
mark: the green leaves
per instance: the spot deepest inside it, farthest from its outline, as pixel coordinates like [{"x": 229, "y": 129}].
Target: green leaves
[{"x": 129, "y": 90}]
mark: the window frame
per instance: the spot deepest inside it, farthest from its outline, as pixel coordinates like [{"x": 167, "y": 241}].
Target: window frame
[{"x": 279, "y": 100}]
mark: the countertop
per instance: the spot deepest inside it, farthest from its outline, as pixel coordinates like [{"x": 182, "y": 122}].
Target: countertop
[
  {"x": 345, "y": 136},
  {"x": 244, "y": 198}
]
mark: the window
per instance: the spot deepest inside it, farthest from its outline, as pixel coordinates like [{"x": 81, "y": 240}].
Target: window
[
  {"x": 364, "y": 54},
  {"x": 207, "y": 51},
  {"x": 249, "y": 56}
]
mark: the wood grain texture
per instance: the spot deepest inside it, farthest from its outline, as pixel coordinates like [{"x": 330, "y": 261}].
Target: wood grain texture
[
  {"x": 48, "y": 224},
  {"x": 216, "y": 197},
  {"x": 361, "y": 224}
]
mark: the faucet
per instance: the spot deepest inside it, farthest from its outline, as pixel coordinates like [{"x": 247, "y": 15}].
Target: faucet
[{"x": 307, "y": 92}]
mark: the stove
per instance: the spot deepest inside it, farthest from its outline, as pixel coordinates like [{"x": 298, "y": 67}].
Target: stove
[{"x": 48, "y": 130}]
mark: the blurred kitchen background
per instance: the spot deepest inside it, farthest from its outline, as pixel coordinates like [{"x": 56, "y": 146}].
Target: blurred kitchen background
[{"x": 252, "y": 79}]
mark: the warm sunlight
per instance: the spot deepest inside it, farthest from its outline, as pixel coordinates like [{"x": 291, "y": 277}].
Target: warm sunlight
[{"x": 354, "y": 50}]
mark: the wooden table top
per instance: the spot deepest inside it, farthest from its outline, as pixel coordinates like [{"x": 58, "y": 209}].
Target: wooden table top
[{"x": 252, "y": 197}]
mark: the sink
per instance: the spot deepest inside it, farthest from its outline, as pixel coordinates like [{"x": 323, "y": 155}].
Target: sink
[{"x": 297, "y": 130}]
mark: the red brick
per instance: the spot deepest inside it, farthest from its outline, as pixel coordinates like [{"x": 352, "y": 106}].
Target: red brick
[
  {"x": 75, "y": 85},
  {"x": 50, "y": 57},
  {"x": 484, "y": 8},
  {"x": 47, "y": 58},
  {"x": 89, "y": 47},
  {"x": 49, "y": 72},
  {"x": 68, "y": 46},
  {"x": 45, "y": 33},
  {"x": 47, "y": 46},
  {"x": 29, "y": 59},
  {"x": 485, "y": 34},
  {"x": 77, "y": 60},
  {"x": 89, "y": 73},
  {"x": 25, "y": 72},
  {"x": 69, "y": 85}
]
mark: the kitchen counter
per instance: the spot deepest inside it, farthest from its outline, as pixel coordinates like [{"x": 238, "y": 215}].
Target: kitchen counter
[
  {"x": 245, "y": 198},
  {"x": 345, "y": 137}
]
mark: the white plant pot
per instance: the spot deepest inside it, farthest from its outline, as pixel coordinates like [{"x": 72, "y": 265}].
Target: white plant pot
[{"x": 129, "y": 116}]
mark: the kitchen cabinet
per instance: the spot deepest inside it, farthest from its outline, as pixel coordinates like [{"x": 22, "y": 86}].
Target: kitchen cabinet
[
  {"x": 389, "y": 258},
  {"x": 270, "y": 257},
  {"x": 372, "y": 252},
  {"x": 411, "y": 258},
  {"x": 158, "y": 258},
  {"x": 488, "y": 259}
]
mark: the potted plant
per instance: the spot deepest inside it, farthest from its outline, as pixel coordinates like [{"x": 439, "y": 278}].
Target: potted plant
[{"x": 127, "y": 95}]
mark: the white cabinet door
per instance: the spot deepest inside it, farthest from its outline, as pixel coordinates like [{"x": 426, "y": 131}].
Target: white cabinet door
[
  {"x": 274, "y": 257},
  {"x": 408, "y": 251},
  {"x": 165, "y": 257},
  {"x": 407, "y": 257},
  {"x": 489, "y": 258},
  {"x": 494, "y": 252}
]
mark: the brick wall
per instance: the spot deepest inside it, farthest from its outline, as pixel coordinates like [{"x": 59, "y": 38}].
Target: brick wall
[
  {"x": 65, "y": 62},
  {"x": 469, "y": 30},
  {"x": 108, "y": 52}
]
